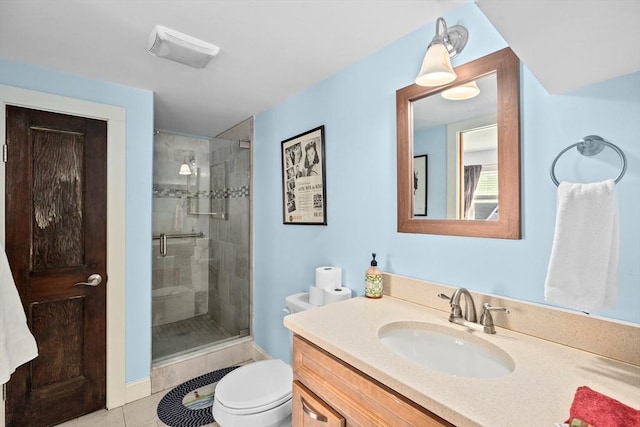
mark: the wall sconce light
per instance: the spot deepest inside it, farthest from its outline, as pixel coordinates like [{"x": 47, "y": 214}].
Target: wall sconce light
[
  {"x": 185, "y": 168},
  {"x": 461, "y": 92},
  {"x": 446, "y": 44}
]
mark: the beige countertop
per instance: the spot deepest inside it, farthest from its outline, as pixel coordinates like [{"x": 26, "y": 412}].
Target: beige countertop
[{"x": 538, "y": 392}]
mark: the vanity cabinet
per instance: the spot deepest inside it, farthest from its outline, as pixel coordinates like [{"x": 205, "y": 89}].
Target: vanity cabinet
[{"x": 325, "y": 387}]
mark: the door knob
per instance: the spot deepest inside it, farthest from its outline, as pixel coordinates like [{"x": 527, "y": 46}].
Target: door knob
[{"x": 93, "y": 280}]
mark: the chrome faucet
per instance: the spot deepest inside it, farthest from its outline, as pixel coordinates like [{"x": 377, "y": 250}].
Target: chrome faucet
[{"x": 456, "y": 310}]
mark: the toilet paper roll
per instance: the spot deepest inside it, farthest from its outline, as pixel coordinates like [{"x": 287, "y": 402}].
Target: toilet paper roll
[
  {"x": 316, "y": 295},
  {"x": 328, "y": 277},
  {"x": 336, "y": 294}
]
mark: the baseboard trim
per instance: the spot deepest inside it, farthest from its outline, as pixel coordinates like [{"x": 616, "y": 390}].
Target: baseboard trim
[
  {"x": 259, "y": 353},
  {"x": 137, "y": 389}
]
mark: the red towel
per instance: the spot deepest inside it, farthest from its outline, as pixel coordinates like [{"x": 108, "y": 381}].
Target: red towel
[{"x": 602, "y": 411}]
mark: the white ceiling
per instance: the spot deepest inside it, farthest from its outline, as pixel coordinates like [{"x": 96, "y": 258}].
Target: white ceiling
[
  {"x": 569, "y": 44},
  {"x": 272, "y": 49}
]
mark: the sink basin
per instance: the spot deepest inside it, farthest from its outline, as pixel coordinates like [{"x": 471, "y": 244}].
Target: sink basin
[{"x": 443, "y": 349}]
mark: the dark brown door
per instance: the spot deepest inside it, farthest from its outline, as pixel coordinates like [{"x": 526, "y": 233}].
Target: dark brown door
[{"x": 56, "y": 237}]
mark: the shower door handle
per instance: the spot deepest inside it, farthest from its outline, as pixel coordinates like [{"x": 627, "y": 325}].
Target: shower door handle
[
  {"x": 93, "y": 280},
  {"x": 163, "y": 244}
]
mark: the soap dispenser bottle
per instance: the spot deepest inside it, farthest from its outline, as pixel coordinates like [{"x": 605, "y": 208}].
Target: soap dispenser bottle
[{"x": 373, "y": 280}]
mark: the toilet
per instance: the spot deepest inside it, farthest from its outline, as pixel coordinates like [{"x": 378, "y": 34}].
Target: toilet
[{"x": 258, "y": 394}]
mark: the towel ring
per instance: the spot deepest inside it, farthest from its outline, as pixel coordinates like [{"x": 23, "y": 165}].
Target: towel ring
[{"x": 591, "y": 145}]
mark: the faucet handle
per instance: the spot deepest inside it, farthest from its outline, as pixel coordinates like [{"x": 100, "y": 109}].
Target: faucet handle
[
  {"x": 443, "y": 296},
  {"x": 486, "y": 319},
  {"x": 489, "y": 307},
  {"x": 456, "y": 311}
]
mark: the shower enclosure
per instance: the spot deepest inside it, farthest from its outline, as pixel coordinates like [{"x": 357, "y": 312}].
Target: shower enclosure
[{"x": 200, "y": 244}]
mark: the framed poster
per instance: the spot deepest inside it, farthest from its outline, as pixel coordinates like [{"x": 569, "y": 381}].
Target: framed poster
[
  {"x": 304, "y": 197},
  {"x": 420, "y": 185}
]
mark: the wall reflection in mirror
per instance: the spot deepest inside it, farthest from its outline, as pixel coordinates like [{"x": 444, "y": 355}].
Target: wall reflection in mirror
[{"x": 459, "y": 135}]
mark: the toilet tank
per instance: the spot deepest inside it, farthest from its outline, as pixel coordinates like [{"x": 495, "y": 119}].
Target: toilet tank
[{"x": 298, "y": 302}]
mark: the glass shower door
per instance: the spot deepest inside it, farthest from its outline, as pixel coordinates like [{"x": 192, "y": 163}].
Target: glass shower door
[{"x": 200, "y": 245}]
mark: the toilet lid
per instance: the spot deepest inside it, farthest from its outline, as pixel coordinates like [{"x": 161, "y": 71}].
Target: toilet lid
[{"x": 255, "y": 387}]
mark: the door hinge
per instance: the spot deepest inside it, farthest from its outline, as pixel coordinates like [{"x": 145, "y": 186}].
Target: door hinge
[
  {"x": 4, "y": 392},
  {"x": 5, "y": 152}
]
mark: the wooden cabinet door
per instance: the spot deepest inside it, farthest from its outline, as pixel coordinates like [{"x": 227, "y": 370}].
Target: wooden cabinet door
[{"x": 310, "y": 411}]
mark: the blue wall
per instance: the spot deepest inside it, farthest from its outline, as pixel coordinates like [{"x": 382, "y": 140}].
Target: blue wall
[
  {"x": 139, "y": 154},
  {"x": 357, "y": 107}
]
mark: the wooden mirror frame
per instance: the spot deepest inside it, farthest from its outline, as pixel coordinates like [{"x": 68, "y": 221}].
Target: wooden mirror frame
[{"x": 507, "y": 68}]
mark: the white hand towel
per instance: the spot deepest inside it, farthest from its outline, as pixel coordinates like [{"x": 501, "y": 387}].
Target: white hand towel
[
  {"x": 17, "y": 345},
  {"x": 582, "y": 271}
]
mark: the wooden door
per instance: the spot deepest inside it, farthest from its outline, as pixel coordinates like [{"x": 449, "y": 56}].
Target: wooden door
[{"x": 55, "y": 238}]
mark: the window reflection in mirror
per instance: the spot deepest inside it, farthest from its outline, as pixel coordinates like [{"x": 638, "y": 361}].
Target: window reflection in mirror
[{"x": 478, "y": 176}]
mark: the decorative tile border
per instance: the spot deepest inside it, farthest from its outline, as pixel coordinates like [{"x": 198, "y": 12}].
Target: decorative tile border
[{"x": 227, "y": 193}]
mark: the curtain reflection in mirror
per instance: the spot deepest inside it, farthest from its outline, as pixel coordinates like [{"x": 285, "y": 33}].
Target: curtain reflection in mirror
[{"x": 471, "y": 178}]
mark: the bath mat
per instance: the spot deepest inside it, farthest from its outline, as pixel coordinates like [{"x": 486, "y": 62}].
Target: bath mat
[{"x": 189, "y": 404}]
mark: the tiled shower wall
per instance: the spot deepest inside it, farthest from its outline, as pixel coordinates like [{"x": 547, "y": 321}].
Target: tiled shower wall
[
  {"x": 181, "y": 278},
  {"x": 229, "y": 294}
]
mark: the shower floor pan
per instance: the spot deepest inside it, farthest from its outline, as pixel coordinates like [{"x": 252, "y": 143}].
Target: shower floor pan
[{"x": 172, "y": 339}]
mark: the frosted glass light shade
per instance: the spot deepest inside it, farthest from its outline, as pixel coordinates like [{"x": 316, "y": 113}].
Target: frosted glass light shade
[
  {"x": 462, "y": 92},
  {"x": 184, "y": 169},
  {"x": 436, "y": 68}
]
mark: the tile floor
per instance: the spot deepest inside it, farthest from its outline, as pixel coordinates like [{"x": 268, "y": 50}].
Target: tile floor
[
  {"x": 169, "y": 339},
  {"x": 141, "y": 413}
]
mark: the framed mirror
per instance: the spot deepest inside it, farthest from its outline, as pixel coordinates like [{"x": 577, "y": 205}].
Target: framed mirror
[{"x": 471, "y": 186}]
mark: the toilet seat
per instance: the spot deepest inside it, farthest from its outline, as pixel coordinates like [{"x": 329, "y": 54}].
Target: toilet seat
[{"x": 256, "y": 387}]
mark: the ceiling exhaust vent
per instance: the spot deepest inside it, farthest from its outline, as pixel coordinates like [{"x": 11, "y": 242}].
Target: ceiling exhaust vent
[{"x": 175, "y": 46}]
